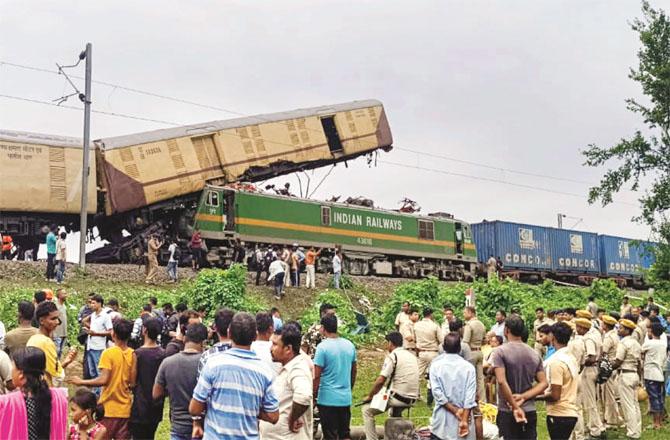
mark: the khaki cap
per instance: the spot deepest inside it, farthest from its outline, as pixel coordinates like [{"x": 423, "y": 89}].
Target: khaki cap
[
  {"x": 609, "y": 320},
  {"x": 627, "y": 323},
  {"x": 583, "y": 314},
  {"x": 583, "y": 322}
]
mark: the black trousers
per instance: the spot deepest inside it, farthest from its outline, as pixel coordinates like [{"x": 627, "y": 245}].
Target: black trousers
[
  {"x": 511, "y": 430},
  {"x": 51, "y": 266},
  {"x": 560, "y": 428},
  {"x": 335, "y": 422},
  {"x": 143, "y": 431}
]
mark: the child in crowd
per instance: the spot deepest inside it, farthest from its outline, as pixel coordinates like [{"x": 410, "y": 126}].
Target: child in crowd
[{"x": 86, "y": 413}]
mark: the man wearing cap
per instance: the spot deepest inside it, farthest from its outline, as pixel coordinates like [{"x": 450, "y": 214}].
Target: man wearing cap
[
  {"x": 577, "y": 347},
  {"x": 589, "y": 375},
  {"x": 627, "y": 360},
  {"x": 611, "y": 387}
]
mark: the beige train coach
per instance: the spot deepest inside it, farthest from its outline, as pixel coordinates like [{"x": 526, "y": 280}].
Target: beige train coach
[
  {"x": 142, "y": 169},
  {"x": 40, "y": 172}
]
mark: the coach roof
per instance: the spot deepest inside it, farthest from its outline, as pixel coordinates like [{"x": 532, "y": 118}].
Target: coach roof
[
  {"x": 40, "y": 139},
  {"x": 214, "y": 126}
]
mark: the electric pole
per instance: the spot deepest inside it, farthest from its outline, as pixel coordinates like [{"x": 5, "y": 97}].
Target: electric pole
[{"x": 83, "y": 221}]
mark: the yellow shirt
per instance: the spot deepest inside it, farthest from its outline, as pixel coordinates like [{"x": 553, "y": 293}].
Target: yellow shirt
[
  {"x": 44, "y": 343},
  {"x": 116, "y": 397},
  {"x": 559, "y": 374}
]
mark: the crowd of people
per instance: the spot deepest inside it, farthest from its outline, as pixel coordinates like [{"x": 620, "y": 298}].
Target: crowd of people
[
  {"x": 588, "y": 365},
  {"x": 261, "y": 378},
  {"x": 249, "y": 377}
]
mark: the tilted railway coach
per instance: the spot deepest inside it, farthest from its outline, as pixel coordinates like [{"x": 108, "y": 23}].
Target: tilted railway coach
[
  {"x": 152, "y": 180},
  {"x": 374, "y": 241}
]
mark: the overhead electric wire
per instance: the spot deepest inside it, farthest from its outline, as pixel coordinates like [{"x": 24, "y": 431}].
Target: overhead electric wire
[
  {"x": 491, "y": 167},
  {"x": 72, "y": 107},
  {"x": 260, "y": 118},
  {"x": 488, "y": 179}
]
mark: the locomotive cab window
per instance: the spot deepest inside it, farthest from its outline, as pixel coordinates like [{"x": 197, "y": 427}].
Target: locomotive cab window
[
  {"x": 426, "y": 230},
  {"x": 330, "y": 130},
  {"x": 325, "y": 215},
  {"x": 213, "y": 198}
]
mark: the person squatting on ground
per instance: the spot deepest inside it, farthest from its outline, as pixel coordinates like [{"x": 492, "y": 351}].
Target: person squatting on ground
[{"x": 400, "y": 376}]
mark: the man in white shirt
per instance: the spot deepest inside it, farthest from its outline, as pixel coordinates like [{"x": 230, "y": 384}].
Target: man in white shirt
[
  {"x": 262, "y": 345},
  {"x": 499, "y": 327},
  {"x": 276, "y": 272},
  {"x": 654, "y": 350},
  {"x": 172, "y": 262},
  {"x": 293, "y": 388},
  {"x": 337, "y": 269},
  {"x": 99, "y": 328}
]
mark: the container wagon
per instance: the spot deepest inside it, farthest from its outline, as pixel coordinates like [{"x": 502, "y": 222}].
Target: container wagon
[
  {"x": 534, "y": 253},
  {"x": 623, "y": 259},
  {"x": 373, "y": 241}
]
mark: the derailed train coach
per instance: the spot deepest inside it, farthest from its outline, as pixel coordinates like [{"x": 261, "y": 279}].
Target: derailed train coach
[
  {"x": 150, "y": 182},
  {"x": 532, "y": 252},
  {"x": 40, "y": 184}
]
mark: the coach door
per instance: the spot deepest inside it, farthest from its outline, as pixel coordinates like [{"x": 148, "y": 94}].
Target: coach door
[{"x": 459, "y": 238}]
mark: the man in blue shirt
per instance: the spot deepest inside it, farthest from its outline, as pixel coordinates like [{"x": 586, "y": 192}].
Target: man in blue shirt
[
  {"x": 51, "y": 252},
  {"x": 454, "y": 384},
  {"x": 235, "y": 388},
  {"x": 334, "y": 378}
]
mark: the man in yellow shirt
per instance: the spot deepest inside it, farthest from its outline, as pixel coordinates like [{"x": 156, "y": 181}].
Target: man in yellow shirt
[
  {"x": 47, "y": 315},
  {"x": 116, "y": 367},
  {"x": 562, "y": 373}
]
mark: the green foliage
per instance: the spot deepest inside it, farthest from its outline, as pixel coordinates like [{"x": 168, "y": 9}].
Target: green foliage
[
  {"x": 345, "y": 311},
  {"x": 216, "y": 288},
  {"x": 498, "y": 295},
  {"x": 644, "y": 155},
  {"x": 345, "y": 282}
]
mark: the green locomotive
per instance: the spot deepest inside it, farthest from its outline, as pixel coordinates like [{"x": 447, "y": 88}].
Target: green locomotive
[{"x": 373, "y": 241}]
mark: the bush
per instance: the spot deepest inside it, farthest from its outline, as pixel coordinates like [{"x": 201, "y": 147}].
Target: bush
[
  {"x": 216, "y": 288},
  {"x": 499, "y": 295}
]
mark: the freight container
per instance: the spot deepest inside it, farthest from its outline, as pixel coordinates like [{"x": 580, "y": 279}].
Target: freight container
[
  {"x": 623, "y": 257},
  {"x": 520, "y": 247},
  {"x": 574, "y": 252}
]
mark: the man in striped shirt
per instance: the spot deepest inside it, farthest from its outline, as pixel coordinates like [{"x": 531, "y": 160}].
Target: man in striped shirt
[{"x": 235, "y": 388}]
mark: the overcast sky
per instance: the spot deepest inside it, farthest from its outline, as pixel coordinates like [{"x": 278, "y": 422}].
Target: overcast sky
[{"x": 519, "y": 85}]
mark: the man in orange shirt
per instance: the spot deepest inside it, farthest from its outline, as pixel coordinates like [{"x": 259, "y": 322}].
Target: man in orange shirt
[
  {"x": 310, "y": 259},
  {"x": 116, "y": 367}
]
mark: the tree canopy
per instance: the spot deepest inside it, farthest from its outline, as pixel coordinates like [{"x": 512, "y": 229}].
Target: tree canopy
[{"x": 646, "y": 153}]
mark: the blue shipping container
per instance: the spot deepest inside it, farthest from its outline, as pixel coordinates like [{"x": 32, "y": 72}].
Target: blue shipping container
[
  {"x": 574, "y": 252},
  {"x": 519, "y": 246},
  {"x": 537, "y": 248},
  {"x": 623, "y": 256}
]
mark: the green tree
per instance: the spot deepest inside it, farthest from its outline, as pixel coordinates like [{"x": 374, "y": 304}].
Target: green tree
[{"x": 645, "y": 154}]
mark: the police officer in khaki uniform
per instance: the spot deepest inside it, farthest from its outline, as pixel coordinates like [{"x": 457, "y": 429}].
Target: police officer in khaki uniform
[
  {"x": 474, "y": 334},
  {"x": 627, "y": 360},
  {"x": 589, "y": 375},
  {"x": 611, "y": 387},
  {"x": 577, "y": 347},
  {"x": 428, "y": 339},
  {"x": 407, "y": 331}
]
